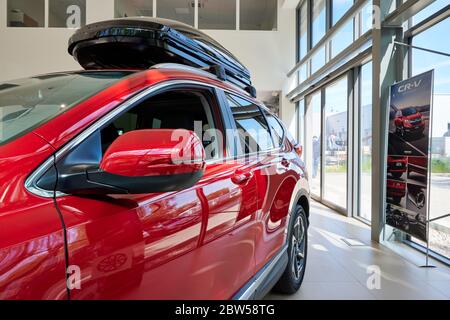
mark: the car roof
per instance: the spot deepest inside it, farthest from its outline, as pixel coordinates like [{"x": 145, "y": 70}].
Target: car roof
[
  {"x": 172, "y": 71},
  {"x": 103, "y": 102}
]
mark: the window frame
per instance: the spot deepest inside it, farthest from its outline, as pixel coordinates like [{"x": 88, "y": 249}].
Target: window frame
[
  {"x": 31, "y": 184},
  {"x": 232, "y": 125},
  {"x": 417, "y": 29},
  {"x": 266, "y": 112}
]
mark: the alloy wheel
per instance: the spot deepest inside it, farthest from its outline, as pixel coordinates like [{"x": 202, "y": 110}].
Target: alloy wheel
[{"x": 298, "y": 248}]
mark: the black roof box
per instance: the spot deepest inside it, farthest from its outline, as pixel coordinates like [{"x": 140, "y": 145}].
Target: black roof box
[{"x": 141, "y": 42}]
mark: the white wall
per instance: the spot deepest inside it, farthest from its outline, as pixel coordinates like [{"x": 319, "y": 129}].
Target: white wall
[{"x": 268, "y": 54}]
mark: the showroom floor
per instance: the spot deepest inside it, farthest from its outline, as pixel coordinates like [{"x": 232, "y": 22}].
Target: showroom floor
[{"x": 340, "y": 252}]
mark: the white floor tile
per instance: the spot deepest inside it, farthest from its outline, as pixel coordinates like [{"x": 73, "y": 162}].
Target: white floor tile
[{"x": 336, "y": 270}]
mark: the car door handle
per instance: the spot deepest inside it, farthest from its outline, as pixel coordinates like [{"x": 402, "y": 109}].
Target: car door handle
[{"x": 242, "y": 177}]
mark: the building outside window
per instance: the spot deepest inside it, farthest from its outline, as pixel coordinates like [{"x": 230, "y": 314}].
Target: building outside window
[
  {"x": 336, "y": 142},
  {"x": 132, "y": 8},
  {"x": 258, "y": 15},
  {"x": 67, "y": 13},
  {"x": 26, "y": 13},
  {"x": 217, "y": 14},
  {"x": 180, "y": 10},
  {"x": 365, "y": 151},
  {"x": 314, "y": 141}
]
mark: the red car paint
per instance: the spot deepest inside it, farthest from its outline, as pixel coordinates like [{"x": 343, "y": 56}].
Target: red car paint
[
  {"x": 130, "y": 155},
  {"x": 204, "y": 242},
  {"x": 397, "y": 164},
  {"x": 396, "y": 188},
  {"x": 409, "y": 120},
  {"x": 418, "y": 165}
]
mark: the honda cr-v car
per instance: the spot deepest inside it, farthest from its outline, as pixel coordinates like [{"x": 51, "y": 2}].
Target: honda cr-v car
[
  {"x": 408, "y": 121},
  {"x": 160, "y": 183},
  {"x": 396, "y": 191},
  {"x": 397, "y": 166}
]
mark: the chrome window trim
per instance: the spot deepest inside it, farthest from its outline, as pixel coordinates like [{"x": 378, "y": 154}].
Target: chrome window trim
[{"x": 31, "y": 181}]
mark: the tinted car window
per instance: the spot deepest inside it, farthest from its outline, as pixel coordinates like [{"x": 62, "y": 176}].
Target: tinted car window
[
  {"x": 409, "y": 112},
  {"x": 27, "y": 103},
  {"x": 253, "y": 130},
  {"x": 178, "y": 109},
  {"x": 277, "y": 129}
]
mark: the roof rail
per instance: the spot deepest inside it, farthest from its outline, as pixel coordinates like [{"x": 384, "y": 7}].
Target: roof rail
[
  {"x": 184, "y": 67},
  {"x": 213, "y": 72}
]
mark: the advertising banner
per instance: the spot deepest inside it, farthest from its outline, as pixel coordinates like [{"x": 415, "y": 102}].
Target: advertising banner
[{"x": 408, "y": 155}]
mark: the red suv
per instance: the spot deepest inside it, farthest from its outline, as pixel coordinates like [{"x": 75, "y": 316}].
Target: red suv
[
  {"x": 166, "y": 183},
  {"x": 397, "y": 166},
  {"x": 408, "y": 120}
]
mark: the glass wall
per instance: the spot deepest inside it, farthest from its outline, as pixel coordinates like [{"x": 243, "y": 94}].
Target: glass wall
[
  {"x": 313, "y": 142},
  {"x": 367, "y": 17},
  {"x": 318, "y": 60},
  {"x": 319, "y": 22},
  {"x": 342, "y": 39},
  {"x": 430, "y": 10},
  {"x": 302, "y": 16},
  {"x": 336, "y": 142},
  {"x": 133, "y": 8},
  {"x": 423, "y": 61},
  {"x": 180, "y": 10},
  {"x": 217, "y": 14},
  {"x": 258, "y": 15},
  {"x": 301, "y": 123},
  {"x": 340, "y": 7},
  {"x": 26, "y": 13},
  {"x": 365, "y": 144}
]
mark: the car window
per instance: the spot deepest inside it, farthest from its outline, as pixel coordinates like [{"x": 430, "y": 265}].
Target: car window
[
  {"x": 276, "y": 128},
  {"x": 177, "y": 109},
  {"x": 253, "y": 130},
  {"x": 28, "y": 103},
  {"x": 409, "y": 111}
]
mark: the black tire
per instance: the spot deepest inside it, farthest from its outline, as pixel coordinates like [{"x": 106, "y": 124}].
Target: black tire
[
  {"x": 396, "y": 175},
  {"x": 292, "y": 278},
  {"x": 397, "y": 200}
]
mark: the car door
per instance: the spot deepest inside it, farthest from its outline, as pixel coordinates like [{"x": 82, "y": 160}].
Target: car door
[
  {"x": 277, "y": 186},
  {"x": 269, "y": 158},
  {"x": 190, "y": 244}
]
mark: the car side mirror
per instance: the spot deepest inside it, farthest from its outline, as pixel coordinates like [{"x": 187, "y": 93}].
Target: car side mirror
[{"x": 145, "y": 161}]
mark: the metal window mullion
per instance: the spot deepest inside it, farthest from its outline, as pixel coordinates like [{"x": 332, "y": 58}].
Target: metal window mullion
[
  {"x": 154, "y": 8},
  {"x": 238, "y": 15},
  {"x": 196, "y": 14},
  {"x": 322, "y": 143},
  {"x": 358, "y": 5},
  {"x": 46, "y": 13},
  {"x": 309, "y": 20},
  {"x": 357, "y": 142},
  {"x": 328, "y": 14}
]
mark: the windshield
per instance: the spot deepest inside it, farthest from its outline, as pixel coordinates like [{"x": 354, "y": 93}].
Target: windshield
[
  {"x": 27, "y": 103},
  {"x": 409, "y": 112}
]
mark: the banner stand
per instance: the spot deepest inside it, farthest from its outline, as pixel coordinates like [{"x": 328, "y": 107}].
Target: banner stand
[{"x": 427, "y": 256}]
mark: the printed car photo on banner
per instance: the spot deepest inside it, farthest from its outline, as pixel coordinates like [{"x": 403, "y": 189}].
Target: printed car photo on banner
[{"x": 408, "y": 155}]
